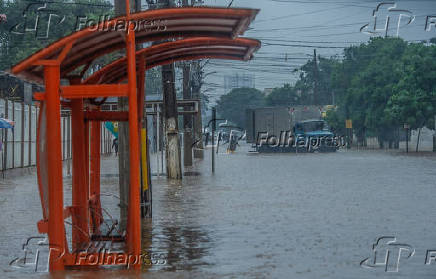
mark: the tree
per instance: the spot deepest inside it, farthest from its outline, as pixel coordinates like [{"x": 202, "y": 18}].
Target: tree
[
  {"x": 364, "y": 82},
  {"x": 282, "y": 96},
  {"x": 414, "y": 98},
  {"x": 382, "y": 84},
  {"x": 232, "y": 105},
  {"x": 55, "y": 20},
  {"x": 321, "y": 75}
]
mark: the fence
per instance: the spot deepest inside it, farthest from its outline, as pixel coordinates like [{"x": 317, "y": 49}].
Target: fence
[
  {"x": 423, "y": 138},
  {"x": 18, "y": 145}
]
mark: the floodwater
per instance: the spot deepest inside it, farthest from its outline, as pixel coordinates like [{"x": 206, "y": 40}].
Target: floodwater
[{"x": 264, "y": 216}]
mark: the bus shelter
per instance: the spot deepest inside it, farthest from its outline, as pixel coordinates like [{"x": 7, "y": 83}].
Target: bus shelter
[{"x": 194, "y": 33}]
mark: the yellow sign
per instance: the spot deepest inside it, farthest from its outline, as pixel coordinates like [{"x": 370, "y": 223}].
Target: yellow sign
[{"x": 348, "y": 124}]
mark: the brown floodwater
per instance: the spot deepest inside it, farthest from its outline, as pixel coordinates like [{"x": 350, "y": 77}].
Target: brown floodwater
[{"x": 261, "y": 216}]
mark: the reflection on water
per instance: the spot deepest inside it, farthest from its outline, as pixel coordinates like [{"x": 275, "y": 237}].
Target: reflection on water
[{"x": 262, "y": 216}]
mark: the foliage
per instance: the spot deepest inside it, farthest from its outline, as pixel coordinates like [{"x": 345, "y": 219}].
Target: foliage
[
  {"x": 55, "y": 20},
  {"x": 383, "y": 84},
  {"x": 283, "y": 96},
  {"x": 319, "y": 75},
  {"x": 232, "y": 105}
]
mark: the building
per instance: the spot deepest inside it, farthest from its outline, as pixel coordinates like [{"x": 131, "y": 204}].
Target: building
[{"x": 238, "y": 80}]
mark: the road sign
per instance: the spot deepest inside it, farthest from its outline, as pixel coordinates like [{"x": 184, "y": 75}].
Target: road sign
[{"x": 348, "y": 124}]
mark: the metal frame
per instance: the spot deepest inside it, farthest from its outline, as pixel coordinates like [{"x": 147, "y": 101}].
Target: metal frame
[{"x": 61, "y": 58}]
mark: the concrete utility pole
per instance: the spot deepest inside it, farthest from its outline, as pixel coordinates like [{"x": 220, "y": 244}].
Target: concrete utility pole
[
  {"x": 172, "y": 143},
  {"x": 123, "y": 132},
  {"x": 187, "y": 119},
  {"x": 198, "y": 125}
]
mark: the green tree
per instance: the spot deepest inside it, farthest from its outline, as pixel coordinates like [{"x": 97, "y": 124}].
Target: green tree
[
  {"x": 414, "y": 98},
  {"x": 16, "y": 43},
  {"x": 232, "y": 105},
  {"x": 282, "y": 96},
  {"x": 321, "y": 75},
  {"x": 364, "y": 84}
]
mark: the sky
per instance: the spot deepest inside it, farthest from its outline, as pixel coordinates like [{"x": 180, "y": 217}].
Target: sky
[{"x": 290, "y": 31}]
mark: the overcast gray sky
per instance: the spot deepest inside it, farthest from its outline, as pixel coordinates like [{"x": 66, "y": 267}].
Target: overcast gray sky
[{"x": 292, "y": 29}]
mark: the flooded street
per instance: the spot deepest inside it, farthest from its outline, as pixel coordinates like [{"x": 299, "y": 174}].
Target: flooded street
[{"x": 265, "y": 216}]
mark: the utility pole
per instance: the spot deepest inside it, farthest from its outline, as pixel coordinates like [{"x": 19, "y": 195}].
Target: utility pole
[
  {"x": 170, "y": 113},
  {"x": 172, "y": 144},
  {"x": 198, "y": 125},
  {"x": 213, "y": 137},
  {"x": 315, "y": 78},
  {"x": 123, "y": 133},
  {"x": 187, "y": 119}
]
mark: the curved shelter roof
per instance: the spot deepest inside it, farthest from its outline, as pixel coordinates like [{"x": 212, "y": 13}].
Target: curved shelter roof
[
  {"x": 83, "y": 47},
  {"x": 181, "y": 50}
]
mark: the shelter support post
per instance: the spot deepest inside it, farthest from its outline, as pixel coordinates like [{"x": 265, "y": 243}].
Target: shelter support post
[
  {"x": 96, "y": 213},
  {"x": 80, "y": 190},
  {"x": 134, "y": 219},
  {"x": 142, "y": 118},
  {"x": 56, "y": 229}
]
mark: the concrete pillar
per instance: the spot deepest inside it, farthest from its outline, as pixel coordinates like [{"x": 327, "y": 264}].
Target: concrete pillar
[{"x": 172, "y": 144}]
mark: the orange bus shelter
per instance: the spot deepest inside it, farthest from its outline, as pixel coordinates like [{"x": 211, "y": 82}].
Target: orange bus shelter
[{"x": 218, "y": 28}]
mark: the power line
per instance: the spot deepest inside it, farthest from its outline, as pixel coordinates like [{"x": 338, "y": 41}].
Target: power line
[{"x": 70, "y": 3}]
